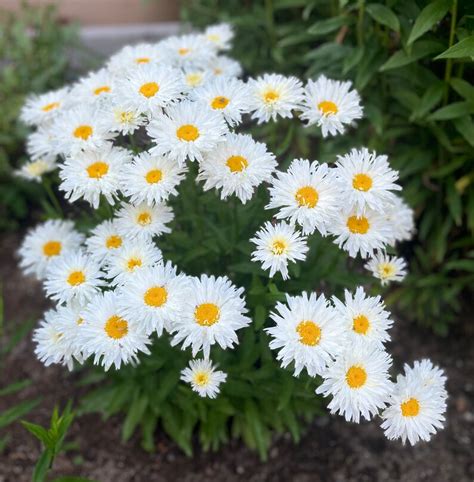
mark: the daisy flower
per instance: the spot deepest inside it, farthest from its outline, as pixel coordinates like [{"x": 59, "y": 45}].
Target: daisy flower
[
  {"x": 212, "y": 313},
  {"x": 277, "y": 245},
  {"x": 402, "y": 221},
  {"x": 307, "y": 332},
  {"x": 364, "y": 317},
  {"x": 73, "y": 276},
  {"x": 133, "y": 57},
  {"x": 428, "y": 375},
  {"x": 96, "y": 87},
  {"x": 331, "y": 105},
  {"x": 143, "y": 221},
  {"x": 151, "y": 178},
  {"x": 274, "y": 95},
  {"x": 42, "y": 144},
  {"x": 153, "y": 297},
  {"x": 237, "y": 166},
  {"x": 68, "y": 321},
  {"x": 358, "y": 382},
  {"x": 151, "y": 88},
  {"x": 387, "y": 268},
  {"x": 306, "y": 195},
  {"x": 34, "y": 170},
  {"x": 186, "y": 130},
  {"x": 192, "y": 49},
  {"x": 365, "y": 179},
  {"x": 220, "y": 35},
  {"x": 92, "y": 173},
  {"x": 194, "y": 77},
  {"x": 103, "y": 240},
  {"x": 122, "y": 118},
  {"x": 112, "y": 339},
  {"x": 130, "y": 258},
  {"x": 225, "y": 66},
  {"x": 203, "y": 378},
  {"x": 416, "y": 410},
  {"x": 42, "y": 109},
  {"x": 228, "y": 96},
  {"x": 361, "y": 233},
  {"x": 45, "y": 242}
]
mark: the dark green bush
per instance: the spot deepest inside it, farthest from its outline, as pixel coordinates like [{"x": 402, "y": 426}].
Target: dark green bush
[{"x": 412, "y": 63}]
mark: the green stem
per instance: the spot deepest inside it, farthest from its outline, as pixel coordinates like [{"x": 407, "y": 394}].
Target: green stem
[
  {"x": 449, "y": 62},
  {"x": 52, "y": 197},
  {"x": 270, "y": 21},
  {"x": 360, "y": 23}
]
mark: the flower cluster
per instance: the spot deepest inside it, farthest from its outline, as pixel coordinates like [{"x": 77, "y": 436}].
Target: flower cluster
[{"x": 183, "y": 99}]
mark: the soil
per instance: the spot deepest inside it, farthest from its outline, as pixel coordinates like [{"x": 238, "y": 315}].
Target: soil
[{"x": 331, "y": 450}]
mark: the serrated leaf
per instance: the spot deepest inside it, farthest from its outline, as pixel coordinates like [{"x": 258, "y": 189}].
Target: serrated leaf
[
  {"x": 428, "y": 17},
  {"x": 383, "y": 15},
  {"x": 464, "y": 48}
]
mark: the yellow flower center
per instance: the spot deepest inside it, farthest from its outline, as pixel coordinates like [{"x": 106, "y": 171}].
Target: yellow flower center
[
  {"x": 201, "y": 379},
  {"x": 142, "y": 60},
  {"x": 361, "y": 324},
  {"x": 133, "y": 263},
  {"x": 156, "y": 296},
  {"x": 125, "y": 117},
  {"x": 362, "y": 182},
  {"x": 213, "y": 37},
  {"x": 358, "y": 225},
  {"x": 328, "y": 108},
  {"x": 76, "y": 278},
  {"x": 194, "y": 79},
  {"x": 386, "y": 270},
  {"x": 144, "y": 218},
  {"x": 113, "y": 242},
  {"x": 98, "y": 169},
  {"x": 102, "y": 89},
  {"x": 187, "y": 132},
  {"x": 217, "y": 71},
  {"x": 37, "y": 168},
  {"x": 307, "y": 196},
  {"x": 83, "y": 132},
  {"x": 356, "y": 376},
  {"x": 52, "y": 248},
  {"x": 220, "y": 102},
  {"x": 49, "y": 107},
  {"x": 309, "y": 333},
  {"x": 279, "y": 247},
  {"x": 154, "y": 176},
  {"x": 80, "y": 321},
  {"x": 183, "y": 51},
  {"x": 270, "y": 96},
  {"x": 149, "y": 89},
  {"x": 410, "y": 408},
  {"x": 237, "y": 163},
  {"x": 206, "y": 314},
  {"x": 116, "y": 327}
]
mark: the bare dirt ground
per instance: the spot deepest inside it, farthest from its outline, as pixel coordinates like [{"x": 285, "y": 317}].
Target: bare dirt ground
[{"x": 331, "y": 450}]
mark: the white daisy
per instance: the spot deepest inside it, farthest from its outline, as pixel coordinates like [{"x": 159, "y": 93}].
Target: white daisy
[
  {"x": 103, "y": 240},
  {"x": 402, "y": 221},
  {"x": 34, "y": 170},
  {"x": 274, "y": 95},
  {"x": 112, "y": 339},
  {"x": 69, "y": 320},
  {"x": 143, "y": 221},
  {"x": 122, "y": 118},
  {"x": 203, "y": 378},
  {"x": 225, "y": 66},
  {"x": 97, "y": 87},
  {"x": 133, "y": 57},
  {"x": 151, "y": 178},
  {"x": 133, "y": 256},
  {"x": 153, "y": 297},
  {"x": 186, "y": 131},
  {"x": 192, "y": 49},
  {"x": 42, "y": 144},
  {"x": 364, "y": 317},
  {"x": 194, "y": 77},
  {"x": 428, "y": 375},
  {"x": 416, "y": 409},
  {"x": 365, "y": 179},
  {"x": 220, "y": 35},
  {"x": 358, "y": 382},
  {"x": 228, "y": 96},
  {"x": 330, "y": 104},
  {"x": 42, "y": 109},
  {"x": 307, "y": 332},
  {"x": 45, "y": 242},
  {"x": 277, "y": 245},
  {"x": 237, "y": 166},
  {"x": 212, "y": 313},
  {"x": 361, "y": 233},
  {"x": 387, "y": 268},
  {"x": 92, "y": 173},
  {"x": 306, "y": 195},
  {"x": 73, "y": 276}
]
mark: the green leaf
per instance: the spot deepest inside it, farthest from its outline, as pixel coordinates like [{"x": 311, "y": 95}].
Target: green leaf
[
  {"x": 464, "y": 48},
  {"x": 42, "y": 466},
  {"x": 323, "y": 27},
  {"x": 465, "y": 126},
  {"x": 39, "y": 432},
  {"x": 11, "y": 414},
  {"x": 134, "y": 415},
  {"x": 428, "y": 101},
  {"x": 15, "y": 387},
  {"x": 401, "y": 58},
  {"x": 463, "y": 88},
  {"x": 383, "y": 15},
  {"x": 71, "y": 478},
  {"x": 430, "y": 15},
  {"x": 451, "y": 111},
  {"x": 453, "y": 200}
]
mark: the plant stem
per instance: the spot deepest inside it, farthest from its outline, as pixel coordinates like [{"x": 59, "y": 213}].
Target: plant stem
[
  {"x": 449, "y": 62},
  {"x": 52, "y": 197},
  {"x": 360, "y": 23},
  {"x": 270, "y": 21}
]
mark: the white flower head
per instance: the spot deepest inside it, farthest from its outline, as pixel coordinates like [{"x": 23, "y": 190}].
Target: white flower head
[
  {"x": 225, "y": 66},
  {"x": 42, "y": 144},
  {"x": 122, "y": 118},
  {"x": 277, "y": 245},
  {"x": 103, "y": 240},
  {"x": 42, "y": 109},
  {"x": 387, "y": 268},
  {"x": 95, "y": 88},
  {"x": 186, "y": 130},
  {"x": 364, "y": 317},
  {"x": 213, "y": 312},
  {"x": 307, "y": 332},
  {"x": 305, "y": 195},
  {"x": 68, "y": 322},
  {"x": 238, "y": 166},
  {"x": 274, "y": 95},
  {"x": 358, "y": 382},
  {"x": 331, "y": 105},
  {"x": 189, "y": 50},
  {"x": 34, "y": 170},
  {"x": 196, "y": 77},
  {"x": 220, "y": 35},
  {"x": 151, "y": 178},
  {"x": 46, "y": 242},
  {"x": 134, "y": 57},
  {"x": 401, "y": 219},
  {"x": 203, "y": 378}
]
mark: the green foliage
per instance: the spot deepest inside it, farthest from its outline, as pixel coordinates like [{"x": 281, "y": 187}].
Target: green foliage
[
  {"x": 34, "y": 50},
  {"x": 412, "y": 63}
]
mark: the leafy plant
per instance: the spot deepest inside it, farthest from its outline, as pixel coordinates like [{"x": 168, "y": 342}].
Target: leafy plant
[{"x": 412, "y": 64}]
